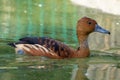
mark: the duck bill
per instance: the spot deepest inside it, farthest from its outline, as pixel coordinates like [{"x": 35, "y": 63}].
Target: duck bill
[{"x": 101, "y": 30}]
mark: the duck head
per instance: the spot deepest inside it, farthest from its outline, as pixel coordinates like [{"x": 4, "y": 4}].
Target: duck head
[{"x": 86, "y": 25}]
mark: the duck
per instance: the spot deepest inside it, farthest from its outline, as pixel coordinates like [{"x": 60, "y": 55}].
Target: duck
[{"x": 51, "y": 48}]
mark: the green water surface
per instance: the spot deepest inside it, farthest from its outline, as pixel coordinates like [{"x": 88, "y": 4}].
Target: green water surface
[
  {"x": 57, "y": 19},
  {"x": 24, "y": 67}
]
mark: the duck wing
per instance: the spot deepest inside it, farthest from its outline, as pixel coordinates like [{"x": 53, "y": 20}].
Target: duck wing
[{"x": 44, "y": 46}]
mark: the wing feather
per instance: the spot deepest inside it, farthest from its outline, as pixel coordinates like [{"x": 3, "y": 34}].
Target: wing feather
[{"x": 44, "y": 46}]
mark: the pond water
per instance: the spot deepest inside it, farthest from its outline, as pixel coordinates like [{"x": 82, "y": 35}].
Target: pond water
[
  {"x": 23, "y": 67},
  {"x": 57, "y": 19}
]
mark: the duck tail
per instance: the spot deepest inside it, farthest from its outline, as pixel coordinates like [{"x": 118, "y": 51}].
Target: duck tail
[{"x": 11, "y": 44}]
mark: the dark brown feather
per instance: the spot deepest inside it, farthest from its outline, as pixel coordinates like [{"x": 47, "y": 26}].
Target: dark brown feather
[{"x": 56, "y": 47}]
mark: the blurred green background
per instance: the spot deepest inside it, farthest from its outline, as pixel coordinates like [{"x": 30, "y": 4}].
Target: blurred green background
[
  {"x": 57, "y": 19},
  {"x": 53, "y": 18}
]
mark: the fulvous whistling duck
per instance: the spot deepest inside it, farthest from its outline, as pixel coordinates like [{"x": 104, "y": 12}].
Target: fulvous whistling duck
[{"x": 48, "y": 47}]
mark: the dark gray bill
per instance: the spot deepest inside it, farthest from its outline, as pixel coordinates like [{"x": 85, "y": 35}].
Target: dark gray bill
[{"x": 101, "y": 30}]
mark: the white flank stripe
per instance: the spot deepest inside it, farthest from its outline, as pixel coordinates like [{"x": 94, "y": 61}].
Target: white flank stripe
[
  {"x": 41, "y": 50},
  {"x": 29, "y": 45},
  {"x": 42, "y": 47},
  {"x": 25, "y": 48},
  {"x": 33, "y": 46},
  {"x": 20, "y": 46},
  {"x": 51, "y": 53}
]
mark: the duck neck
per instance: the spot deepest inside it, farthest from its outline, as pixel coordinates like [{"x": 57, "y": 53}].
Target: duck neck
[{"x": 83, "y": 49}]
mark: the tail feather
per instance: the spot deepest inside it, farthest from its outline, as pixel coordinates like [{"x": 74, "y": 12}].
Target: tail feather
[{"x": 12, "y": 44}]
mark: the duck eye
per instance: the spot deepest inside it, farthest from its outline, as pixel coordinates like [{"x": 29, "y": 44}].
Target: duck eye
[{"x": 89, "y": 22}]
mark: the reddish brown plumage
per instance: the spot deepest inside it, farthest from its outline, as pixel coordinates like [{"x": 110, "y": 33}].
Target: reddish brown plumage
[
  {"x": 56, "y": 49},
  {"x": 43, "y": 46}
]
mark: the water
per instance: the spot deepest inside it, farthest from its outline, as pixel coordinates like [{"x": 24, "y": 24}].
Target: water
[
  {"x": 57, "y": 19},
  {"x": 23, "y": 67}
]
